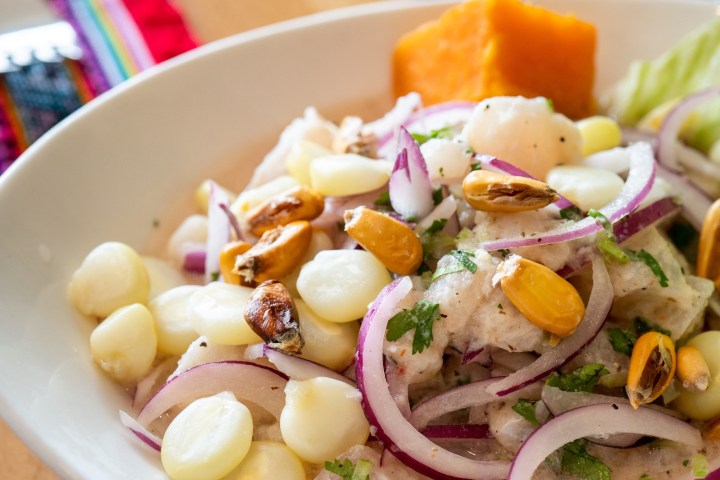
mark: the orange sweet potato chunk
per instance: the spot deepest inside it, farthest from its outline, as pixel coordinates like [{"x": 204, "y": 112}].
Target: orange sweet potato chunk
[{"x": 485, "y": 48}]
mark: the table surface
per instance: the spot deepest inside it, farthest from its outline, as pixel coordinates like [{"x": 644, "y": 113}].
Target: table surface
[{"x": 210, "y": 20}]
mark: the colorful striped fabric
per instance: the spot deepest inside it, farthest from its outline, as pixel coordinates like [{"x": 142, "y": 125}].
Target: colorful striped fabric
[{"x": 118, "y": 38}]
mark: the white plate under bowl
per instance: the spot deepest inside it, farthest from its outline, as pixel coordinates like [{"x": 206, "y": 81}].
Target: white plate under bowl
[{"x": 135, "y": 155}]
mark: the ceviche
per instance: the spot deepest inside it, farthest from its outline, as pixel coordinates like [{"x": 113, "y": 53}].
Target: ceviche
[{"x": 462, "y": 290}]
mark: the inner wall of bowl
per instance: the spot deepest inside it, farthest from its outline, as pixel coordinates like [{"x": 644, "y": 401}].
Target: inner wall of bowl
[{"x": 137, "y": 154}]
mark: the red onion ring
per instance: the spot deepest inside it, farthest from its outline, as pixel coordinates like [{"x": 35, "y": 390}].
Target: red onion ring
[
  {"x": 669, "y": 130},
  {"x": 301, "y": 369},
  {"x": 597, "y": 309},
  {"x": 637, "y": 186},
  {"x": 147, "y": 437},
  {"x": 388, "y": 424},
  {"x": 411, "y": 193},
  {"x": 218, "y": 230},
  {"x": 232, "y": 219},
  {"x": 194, "y": 261},
  {"x": 463, "y": 430},
  {"x": 694, "y": 202},
  {"x": 599, "y": 419},
  {"x": 261, "y": 385},
  {"x": 383, "y": 128}
]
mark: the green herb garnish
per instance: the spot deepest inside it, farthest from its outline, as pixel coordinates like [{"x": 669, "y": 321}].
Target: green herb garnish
[
  {"x": 445, "y": 132},
  {"x": 604, "y": 221},
  {"x": 526, "y": 409},
  {"x": 436, "y": 226},
  {"x": 612, "y": 250},
  {"x": 582, "y": 379},
  {"x": 475, "y": 166},
  {"x": 623, "y": 341},
  {"x": 348, "y": 470},
  {"x": 571, "y": 213},
  {"x": 575, "y": 460},
  {"x": 463, "y": 256},
  {"x": 699, "y": 465},
  {"x": 652, "y": 264},
  {"x": 214, "y": 276},
  {"x": 420, "y": 317},
  {"x": 437, "y": 195},
  {"x": 383, "y": 200}
]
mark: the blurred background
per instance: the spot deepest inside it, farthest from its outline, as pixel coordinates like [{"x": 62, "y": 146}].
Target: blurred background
[{"x": 57, "y": 55}]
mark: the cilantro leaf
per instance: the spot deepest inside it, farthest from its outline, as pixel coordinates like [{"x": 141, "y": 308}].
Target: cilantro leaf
[
  {"x": 349, "y": 471},
  {"x": 623, "y": 341},
  {"x": 463, "y": 256},
  {"x": 653, "y": 264},
  {"x": 604, "y": 221},
  {"x": 582, "y": 379},
  {"x": 445, "y": 132},
  {"x": 575, "y": 460},
  {"x": 437, "y": 196},
  {"x": 436, "y": 226},
  {"x": 475, "y": 166},
  {"x": 446, "y": 270},
  {"x": 612, "y": 251},
  {"x": 526, "y": 409},
  {"x": 571, "y": 213},
  {"x": 383, "y": 200},
  {"x": 421, "y": 318}
]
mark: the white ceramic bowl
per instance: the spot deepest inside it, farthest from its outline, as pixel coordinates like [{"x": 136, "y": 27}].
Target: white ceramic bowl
[{"x": 135, "y": 155}]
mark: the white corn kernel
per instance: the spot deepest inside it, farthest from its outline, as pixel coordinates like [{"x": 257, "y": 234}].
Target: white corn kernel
[
  {"x": 322, "y": 418},
  {"x": 190, "y": 235},
  {"x": 445, "y": 158},
  {"x": 112, "y": 275},
  {"x": 268, "y": 461},
  {"x": 216, "y": 311},
  {"x": 208, "y": 439},
  {"x": 163, "y": 276},
  {"x": 599, "y": 133},
  {"x": 253, "y": 197},
  {"x": 124, "y": 344},
  {"x": 615, "y": 159},
  {"x": 704, "y": 405},
  {"x": 327, "y": 343},
  {"x": 175, "y": 331},
  {"x": 340, "y": 284},
  {"x": 202, "y": 195},
  {"x": 302, "y": 153},
  {"x": 348, "y": 174},
  {"x": 587, "y": 187}
]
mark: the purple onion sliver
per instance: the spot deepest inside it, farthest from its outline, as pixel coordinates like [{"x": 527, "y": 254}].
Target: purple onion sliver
[
  {"x": 233, "y": 221},
  {"x": 194, "y": 262},
  {"x": 465, "y": 430}
]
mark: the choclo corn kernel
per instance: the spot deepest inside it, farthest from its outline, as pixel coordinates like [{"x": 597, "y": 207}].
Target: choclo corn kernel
[
  {"x": 545, "y": 298},
  {"x": 703, "y": 405},
  {"x": 598, "y": 133},
  {"x": 175, "y": 331},
  {"x": 692, "y": 369},
  {"x": 124, "y": 345},
  {"x": 652, "y": 368},
  {"x": 208, "y": 439},
  {"x": 268, "y": 461}
]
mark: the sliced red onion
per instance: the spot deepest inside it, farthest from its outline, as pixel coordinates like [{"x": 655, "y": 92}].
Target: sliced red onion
[
  {"x": 669, "y": 130},
  {"x": 398, "y": 388},
  {"x": 495, "y": 164},
  {"x": 469, "y": 395},
  {"x": 446, "y": 209},
  {"x": 385, "y": 127},
  {"x": 428, "y": 119},
  {"x": 300, "y": 368},
  {"x": 599, "y": 419},
  {"x": 144, "y": 387},
  {"x": 261, "y": 385},
  {"x": 462, "y": 430},
  {"x": 411, "y": 193},
  {"x": 234, "y": 223},
  {"x": 694, "y": 202},
  {"x": 194, "y": 261},
  {"x": 637, "y": 186},
  {"x": 558, "y": 401},
  {"x": 477, "y": 354},
  {"x": 147, "y": 437},
  {"x": 218, "y": 231},
  {"x": 386, "y": 420},
  {"x": 597, "y": 309}
]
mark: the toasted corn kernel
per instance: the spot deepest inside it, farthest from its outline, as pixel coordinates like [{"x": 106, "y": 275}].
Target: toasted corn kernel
[
  {"x": 276, "y": 253},
  {"x": 391, "y": 241},
  {"x": 228, "y": 255},
  {"x": 652, "y": 367},
  {"x": 299, "y": 203},
  {"x": 549, "y": 301},
  {"x": 708, "y": 259},
  {"x": 692, "y": 369},
  {"x": 496, "y": 192},
  {"x": 271, "y": 313}
]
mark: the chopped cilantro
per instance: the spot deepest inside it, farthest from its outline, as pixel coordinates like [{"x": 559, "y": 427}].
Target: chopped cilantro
[
  {"x": 699, "y": 465},
  {"x": 156, "y": 223},
  {"x": 623, "y": 341},
  {"x": 475, "y": 166},
  {"x": 652, "y": 264},
  {"x": 441, "y": 171},
  {"x": 349, "y": 471},
  {"x": 421, "y": 318},
  {"x": 214, "y": 276},
  {"x": 526, "y": 409},
  {"x": 604, "y": 221},
  {"x": 383, "y": 200},
  {"x": 499, "y": 305},
  {"x": 612, "y": 251},
  {"x": 682, "y": 235},
  {"x": 550, "y": 104},
  {"x": 446, "y": 270},
  {"x": 575, "y": 460},
  {"x": 437, "y": 195},
  {"x": 435, "y": 243},
  {"x": 571, "y": 213},
  {"x": 436, "y": 226},
  {"x": 582, "y": 379},
  {"x": 645, "y": 476},
  {"x": 463, "y": 256},
  {"x": 446, "y": 132},
  {"x": 504, "y": 252}
]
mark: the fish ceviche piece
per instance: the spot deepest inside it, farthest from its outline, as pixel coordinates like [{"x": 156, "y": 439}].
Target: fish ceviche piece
[{"x": 465, "y": 290}]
